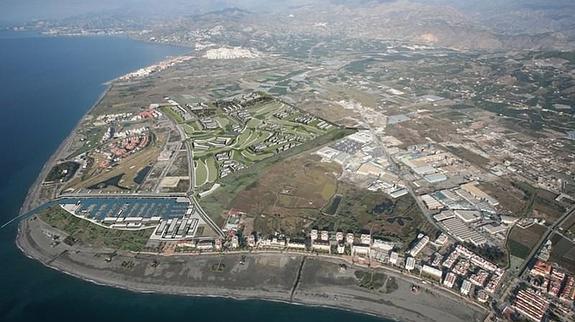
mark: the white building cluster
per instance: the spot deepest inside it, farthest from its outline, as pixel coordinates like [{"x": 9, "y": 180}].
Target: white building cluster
[
  {"x": 468, "y": 214},
  {"x": 146, "y": 71},
  {"x": 231, "y": 53},
  {"x": 361, "y": 157}
]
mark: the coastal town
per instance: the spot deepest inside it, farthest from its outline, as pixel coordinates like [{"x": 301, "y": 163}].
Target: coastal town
[{"x": 458, "y": 185}]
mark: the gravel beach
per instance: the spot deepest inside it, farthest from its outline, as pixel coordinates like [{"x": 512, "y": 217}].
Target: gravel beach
[{"x": 293, "y": 278}]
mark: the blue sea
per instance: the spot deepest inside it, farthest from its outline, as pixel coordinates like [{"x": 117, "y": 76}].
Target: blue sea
[{"x": 46, "y": 85}]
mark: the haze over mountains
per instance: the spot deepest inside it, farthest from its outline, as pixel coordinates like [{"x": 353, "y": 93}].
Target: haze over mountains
[{"x": 462, "y": 24}]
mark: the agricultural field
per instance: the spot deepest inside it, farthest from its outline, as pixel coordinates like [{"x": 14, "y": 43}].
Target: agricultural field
[
  {"x": 540, "y": 203},
  {"x": 510, "y": 198},
  {"x": 568, "y": 227},
  {"x": 305, "y": 197},
  {"x": 563, "y": 252},
  {"x": 470, "y": 156},
  {"x": 524, "y": 200},
  {"x": 521, "y": 241}
]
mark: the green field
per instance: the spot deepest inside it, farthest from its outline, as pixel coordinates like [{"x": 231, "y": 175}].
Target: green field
[
  {"x": 223, "y": 121},
  {"x": 521, "y": 241},
  {"x": 92, "y": 139},
  {"x": 253, "y": 123},
  {"x": 83, "y": 231},
  {"x": 255, "y": 157},
  {"x": 267, "y": 108},
  {"x": 190, "y": 130},
  {"x": 201, "y": 172},
  {"x": 212, "y": 169},
  {"x": 170, "y": 113},
  {"x": 517, "y": 249},
  {"x": 244, "y": 137}
]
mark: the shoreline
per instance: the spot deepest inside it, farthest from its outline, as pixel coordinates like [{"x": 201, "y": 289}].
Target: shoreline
[
  {"x": 340, "y": 293},
  {"x": 346, "y": 297},
  {"x": 193, "y": 295},
  {"x": 32, "y": 199}
]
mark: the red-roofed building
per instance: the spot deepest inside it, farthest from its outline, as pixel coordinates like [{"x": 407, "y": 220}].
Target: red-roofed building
[
  {"x": 568, "y": 292},
  {"x": 541, "y": 268},
  {"x": 531, "y": 305}
]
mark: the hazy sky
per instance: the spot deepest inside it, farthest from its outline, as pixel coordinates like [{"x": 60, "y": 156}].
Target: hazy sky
[
  {"x": 23, "y": 10},
  {"x": 26, "y": 10}
]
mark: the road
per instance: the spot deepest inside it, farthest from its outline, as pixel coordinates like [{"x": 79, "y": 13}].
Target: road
[
  {"x": 191, "y": 174},
  {"x": 189, "y": 153},
  {"x": 396, "y": 168},
  {"x": 204, "y": 215},
  {"x": 543, "y": 239},
  {"x": 519, "y": 274},
  {"x": 167, "y": 168}
]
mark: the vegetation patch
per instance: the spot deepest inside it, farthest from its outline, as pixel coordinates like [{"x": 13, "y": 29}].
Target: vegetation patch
[
  {"x": 169, "y": 111},
  {"x": 492, "y": 253},
  {"x": 540, "y": 203},
  {"x": 563, "y": 252},
  {"x": 470, "y": 156},
  {"x": 371, "y": 280},
  {"x": 91, "y": 234},
  {"x": 227, "y": 196},
  {"x": 333, "y": 205},
  {"x": 521, "y": 241},
  {"x": 201, "y": 172},
  {"x": 289, "y": 194},
  {"x": 364, "y": 210},
  {"x": 62, "y": 172},
  {"x": 391, "y": 285}
]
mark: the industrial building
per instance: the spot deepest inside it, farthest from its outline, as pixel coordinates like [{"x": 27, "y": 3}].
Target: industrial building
[{"x": 460, "y": 231}]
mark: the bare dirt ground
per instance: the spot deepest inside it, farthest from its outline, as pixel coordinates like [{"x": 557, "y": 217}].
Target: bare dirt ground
[{"x": 288, "y": 192}]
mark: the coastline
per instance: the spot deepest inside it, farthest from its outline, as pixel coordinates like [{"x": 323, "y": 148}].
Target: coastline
[
  {"x": 321, "y": 283},
  {"x": 32, "y": 199},
  {"x": 347, "y": 297}
]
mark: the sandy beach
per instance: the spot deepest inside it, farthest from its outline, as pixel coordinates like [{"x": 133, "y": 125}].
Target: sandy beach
[{"x": 291, "y": 278}]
